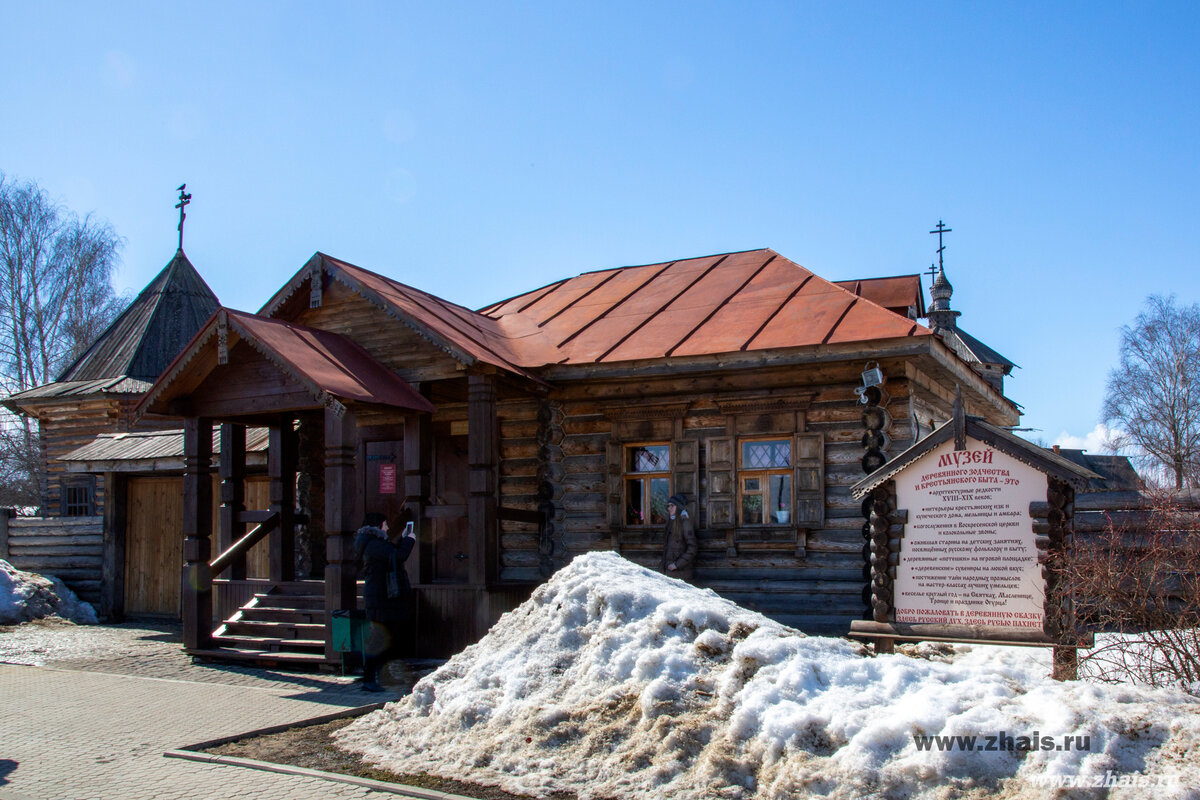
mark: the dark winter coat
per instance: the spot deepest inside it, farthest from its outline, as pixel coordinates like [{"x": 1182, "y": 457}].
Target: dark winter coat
[
  {"x": 374, "y": 557},
  {"x": 679, "y": 548}
]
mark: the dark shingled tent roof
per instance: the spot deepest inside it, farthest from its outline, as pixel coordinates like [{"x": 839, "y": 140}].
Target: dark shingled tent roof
[{"x": 144, "y": 340}]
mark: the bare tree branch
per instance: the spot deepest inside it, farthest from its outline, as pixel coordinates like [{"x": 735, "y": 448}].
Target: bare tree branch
[
  {"x": 56, "y": 297},
  {"x": 1152, "y": 401}
]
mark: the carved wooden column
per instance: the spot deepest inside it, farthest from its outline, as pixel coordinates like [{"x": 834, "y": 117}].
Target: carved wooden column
[
  {"x": 1059, "y": 612},
  {"x": 197, "y": 532},
  {"x": 281, "y": 467},
  {"x": 481, "y": 459},
  {"x": 341, "y": 491},
  {"x": 310, "y": 495},
  {"x": 418, "y": 468},
  {"x": 233, "y": 494},
  {"x": 550, "y": 490}
]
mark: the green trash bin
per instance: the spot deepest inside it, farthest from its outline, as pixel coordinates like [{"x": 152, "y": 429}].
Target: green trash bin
[{"x": 349, "y": 626}]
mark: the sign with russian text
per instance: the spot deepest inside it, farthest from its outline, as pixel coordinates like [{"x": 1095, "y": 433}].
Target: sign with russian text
[
  {"x": 387, "y": 478},
  {"x": 969, "y": 556}
]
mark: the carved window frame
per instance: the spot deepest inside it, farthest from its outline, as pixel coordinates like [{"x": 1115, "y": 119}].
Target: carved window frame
[
  {"x": 629, "y": 475},
  {"x": 649, "y": 423},
  {"x": 745, "y": 474}
]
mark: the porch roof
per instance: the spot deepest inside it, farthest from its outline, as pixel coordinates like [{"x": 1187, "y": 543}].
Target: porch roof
[
  {"x": 153, "y": 451},
  {"x": 328, "y": 365}
]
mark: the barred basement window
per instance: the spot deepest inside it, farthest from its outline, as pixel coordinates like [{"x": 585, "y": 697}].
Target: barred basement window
[
  {"x": 79, "y": 499},
  {"x": 647, "y": 483}
]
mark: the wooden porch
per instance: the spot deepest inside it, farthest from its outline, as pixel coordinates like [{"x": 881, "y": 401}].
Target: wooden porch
[{"x": 368, "y": 443}]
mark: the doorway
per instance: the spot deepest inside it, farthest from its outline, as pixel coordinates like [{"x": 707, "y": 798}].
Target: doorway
[{"x": 450, "y": 540}]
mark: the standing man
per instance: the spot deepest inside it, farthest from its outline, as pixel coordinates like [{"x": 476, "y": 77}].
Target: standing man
[
  {"x": 679, "y": 543},
  {"x": 385, "y": 590}
]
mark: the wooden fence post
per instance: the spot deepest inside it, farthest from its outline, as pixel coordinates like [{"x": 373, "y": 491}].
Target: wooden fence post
[{"x": 5, "y": 515}]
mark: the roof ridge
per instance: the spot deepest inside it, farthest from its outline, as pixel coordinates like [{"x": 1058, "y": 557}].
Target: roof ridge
[
  {"x": 123, "y": 344},
  {"x": 677, "y": 261}
]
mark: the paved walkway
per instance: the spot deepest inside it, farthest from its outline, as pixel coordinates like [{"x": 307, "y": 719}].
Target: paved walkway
[{"x": 87, "y": 712}]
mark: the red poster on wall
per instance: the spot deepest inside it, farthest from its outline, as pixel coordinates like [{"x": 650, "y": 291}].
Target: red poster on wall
[{"x": 387, "y": 478}]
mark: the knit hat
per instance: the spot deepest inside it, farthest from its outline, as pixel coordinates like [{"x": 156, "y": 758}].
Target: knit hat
[
  {"x": 373, "y": 519},
  {"x": 679, "y": 500}
]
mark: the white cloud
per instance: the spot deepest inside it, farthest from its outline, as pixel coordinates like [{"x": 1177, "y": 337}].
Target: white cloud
[{"x": 1092, "y": 441}]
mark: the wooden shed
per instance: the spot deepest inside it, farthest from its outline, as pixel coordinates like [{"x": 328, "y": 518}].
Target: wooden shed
[{"x": 550, "y": 424}]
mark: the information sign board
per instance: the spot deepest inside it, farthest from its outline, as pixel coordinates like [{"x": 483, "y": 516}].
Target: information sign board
[{"x": 969, "y": 553}]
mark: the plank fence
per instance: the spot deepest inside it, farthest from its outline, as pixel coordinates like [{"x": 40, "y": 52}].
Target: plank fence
[{"x": 70, "y": 548}]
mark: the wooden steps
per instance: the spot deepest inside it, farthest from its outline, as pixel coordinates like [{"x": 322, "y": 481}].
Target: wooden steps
[{"x": 283, "y": 626}]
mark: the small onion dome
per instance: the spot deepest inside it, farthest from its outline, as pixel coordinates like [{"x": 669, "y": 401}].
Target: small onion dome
[{"x": 941, "y": 291}]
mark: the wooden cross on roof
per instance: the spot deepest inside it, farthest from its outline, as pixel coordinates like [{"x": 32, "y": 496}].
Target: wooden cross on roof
[{"x": 184, "y": 199}]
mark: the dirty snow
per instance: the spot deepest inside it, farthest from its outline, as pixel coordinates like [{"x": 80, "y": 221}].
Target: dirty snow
[
  {"x": 26, "y": 596},
  {"x": 614, "y": 681}
]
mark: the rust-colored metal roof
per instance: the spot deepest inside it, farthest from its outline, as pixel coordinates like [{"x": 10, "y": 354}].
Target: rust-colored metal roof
[
  {"x": 468, "y": 336},
  {"x": 327, "y": 363},
  {"x": 897, "y": 293},
  {"x": 750, "y": 300}
]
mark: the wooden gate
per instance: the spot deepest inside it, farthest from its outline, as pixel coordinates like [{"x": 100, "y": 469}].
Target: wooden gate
[
  {"x": 154, "y": 541},
  {"x": 153, "y": 546}
]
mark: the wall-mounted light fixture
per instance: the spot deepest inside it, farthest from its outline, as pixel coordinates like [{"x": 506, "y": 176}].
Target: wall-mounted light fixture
[{"x": 872, "y": 385}]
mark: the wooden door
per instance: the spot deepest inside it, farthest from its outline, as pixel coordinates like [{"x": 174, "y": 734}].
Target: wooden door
[
  {"x": 450, "y": 531},
  {"x": 154, "y": 546},
  {"x": 383, "y": 489}
]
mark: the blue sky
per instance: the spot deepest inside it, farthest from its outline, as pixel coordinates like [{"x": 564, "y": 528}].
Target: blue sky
[{"x": 478, "y": 150}]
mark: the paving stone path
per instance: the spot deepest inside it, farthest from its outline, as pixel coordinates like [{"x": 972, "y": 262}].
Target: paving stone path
[{"x": 86, "y": 712}]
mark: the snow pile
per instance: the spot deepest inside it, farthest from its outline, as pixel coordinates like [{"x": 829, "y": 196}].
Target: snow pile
[
  {"x": 614, "y": 681},
  {"x": 26, "y": 596}
]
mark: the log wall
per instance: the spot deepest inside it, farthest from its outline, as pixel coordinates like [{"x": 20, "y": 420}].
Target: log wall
[
  {"x": 554, "y": 454},
  {"x": 66, "y": 426},
  {"x": 69, "y": 548}
]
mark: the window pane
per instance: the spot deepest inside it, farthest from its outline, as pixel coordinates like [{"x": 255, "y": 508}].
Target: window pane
[
  {"x": 751, "y": 485},
  {"x": 78, "y": 501},
  {"x": 781, "y": 498},
  {"x": 649, "y": 458},
  {"x": 752, "y": 509},
  {"x": 634, "y": 514},
  {"x": 765, "y": 455},
  {"x": 660, "y": 490}
]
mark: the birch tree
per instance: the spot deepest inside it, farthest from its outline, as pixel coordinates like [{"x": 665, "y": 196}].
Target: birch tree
[
  {"x": 1152, "y": 401},
  {"x": 56, "y": 297}
]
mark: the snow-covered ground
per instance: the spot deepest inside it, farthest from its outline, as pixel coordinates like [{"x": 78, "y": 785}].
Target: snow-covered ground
[
  {"x": 614, "y": 681},
  {"x": 26, "y": 596}
]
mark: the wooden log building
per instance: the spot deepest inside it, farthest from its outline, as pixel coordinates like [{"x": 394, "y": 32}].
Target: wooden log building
[
  {"x": 543, "y": 426},
  {"x": 96, "y": 395},
  {"x": 519, "y": 435}
]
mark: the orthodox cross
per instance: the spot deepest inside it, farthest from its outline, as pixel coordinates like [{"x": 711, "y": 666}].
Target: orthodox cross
[
  {"x": 932, "y": 274},
  {"x": 939, "y": 230},
  {"x": 184, "y": 199}
]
